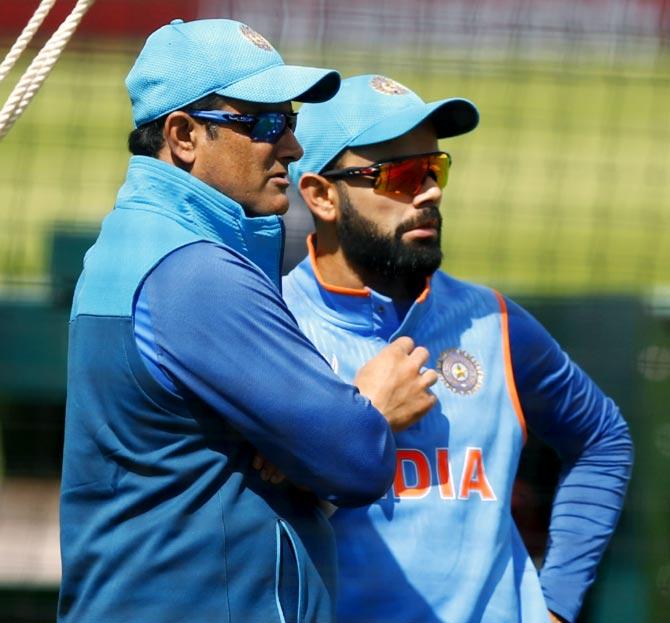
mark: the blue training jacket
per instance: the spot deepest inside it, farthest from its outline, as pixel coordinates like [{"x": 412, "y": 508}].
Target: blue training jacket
[{"x": 162, "y": 516}]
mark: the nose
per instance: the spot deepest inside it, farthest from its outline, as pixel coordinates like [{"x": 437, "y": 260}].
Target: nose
[
  {"x": 430, "y": 193},
  {"x": 288, "y": 147}
]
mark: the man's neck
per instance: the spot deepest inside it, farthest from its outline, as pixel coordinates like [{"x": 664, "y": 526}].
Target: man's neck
[{"x": 337, "y": 271}]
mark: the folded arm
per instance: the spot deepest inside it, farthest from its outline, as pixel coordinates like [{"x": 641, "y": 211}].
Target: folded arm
[{"x": 224, "y": 337}]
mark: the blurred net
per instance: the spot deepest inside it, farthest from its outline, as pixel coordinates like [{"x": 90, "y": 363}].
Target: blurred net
[{"x": 562, "y": 188}]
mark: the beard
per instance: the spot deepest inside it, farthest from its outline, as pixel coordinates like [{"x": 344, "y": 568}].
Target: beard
[{"x": 371, "y": 251}]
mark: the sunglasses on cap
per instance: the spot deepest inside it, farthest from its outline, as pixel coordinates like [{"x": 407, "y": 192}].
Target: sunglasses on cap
[
  {"x": 265, "y": 127},
  {"x": 405, "y": 175}
]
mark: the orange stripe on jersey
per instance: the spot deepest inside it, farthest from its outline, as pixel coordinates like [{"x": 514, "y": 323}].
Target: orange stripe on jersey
[
  {"x": 319, "y": 278},
  {"x": 509, "y": 371},
  {"x": 426, "y": 291}
]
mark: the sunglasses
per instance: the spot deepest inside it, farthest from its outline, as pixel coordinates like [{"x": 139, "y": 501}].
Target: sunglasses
[
  {"x": 265, "y": 127},
  {"x": 405, "y": 175}
]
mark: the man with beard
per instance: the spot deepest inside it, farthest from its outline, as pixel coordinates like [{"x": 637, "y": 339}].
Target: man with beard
[{"x": 441, "y": 545}]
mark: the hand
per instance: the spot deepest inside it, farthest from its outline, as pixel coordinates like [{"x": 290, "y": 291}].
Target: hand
[
  {"x": 395, "y": 385},
  {"x": 268, "y": 471},
  {"x": 554, "y": 618}
]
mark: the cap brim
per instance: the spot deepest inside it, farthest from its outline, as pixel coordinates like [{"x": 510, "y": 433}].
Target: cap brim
[
  {"x": 285, "y": 83},
  {"x": 451, "y": 117}
]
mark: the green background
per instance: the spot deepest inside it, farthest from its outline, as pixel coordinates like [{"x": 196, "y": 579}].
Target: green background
[
  {"x": 562, "y": 188},
  {"x": 560, "y": 198}
]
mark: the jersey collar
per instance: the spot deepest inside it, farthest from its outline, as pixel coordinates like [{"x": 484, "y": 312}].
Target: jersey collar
[{"x": 363, "y": 310}]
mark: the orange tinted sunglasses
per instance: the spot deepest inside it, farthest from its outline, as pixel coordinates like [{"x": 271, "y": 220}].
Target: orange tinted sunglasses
[{"x": 405, "y": 175}]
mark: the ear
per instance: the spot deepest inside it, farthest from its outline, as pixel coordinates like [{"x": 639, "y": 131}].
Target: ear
[
  {"x": 181, "y": 137},
  {"x": 320, "y": 195}
]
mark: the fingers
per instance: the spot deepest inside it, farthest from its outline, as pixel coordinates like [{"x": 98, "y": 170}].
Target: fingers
[
  {"x": 268, "y": 471},
  {"x": 429, "y": 378},
  {"x": 398, "y": 383},
  {"x": 404, "y": 343},
  {"x": 275, "y": 477},
  {"x": 419, "y": 356},
  {"x": 429, "y": 400}
]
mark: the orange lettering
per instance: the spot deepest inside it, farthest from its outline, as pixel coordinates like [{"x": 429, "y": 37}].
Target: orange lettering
[
  {"x": 421, "y": 488},
  {"x": 474, "y": 477},
  {"x": 444, "y": 477}
]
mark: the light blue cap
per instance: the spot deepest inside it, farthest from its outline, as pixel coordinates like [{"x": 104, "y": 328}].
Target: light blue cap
[
  {"x": 371, "y": 109},
  {"x": 184, "y": 61}
]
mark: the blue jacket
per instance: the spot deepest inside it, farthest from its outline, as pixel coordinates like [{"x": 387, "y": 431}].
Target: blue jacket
[{"x": 162, "y": 517}]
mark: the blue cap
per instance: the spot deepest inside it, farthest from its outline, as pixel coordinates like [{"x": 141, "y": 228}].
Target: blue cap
[
  {"x": 372, "y": 109},
  {"x": 184, "y": 61}
]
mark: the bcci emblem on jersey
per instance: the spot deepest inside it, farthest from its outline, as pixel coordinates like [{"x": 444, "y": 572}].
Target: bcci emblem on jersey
[{"x": 460, "y": 371}]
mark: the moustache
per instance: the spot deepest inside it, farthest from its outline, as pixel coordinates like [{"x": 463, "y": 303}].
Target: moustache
[{"x": 430, "y": 217}]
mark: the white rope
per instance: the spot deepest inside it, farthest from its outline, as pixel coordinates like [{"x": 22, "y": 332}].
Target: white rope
[
  {"x": 27, "y": 34},
  {"x": 39, "y": 69}
]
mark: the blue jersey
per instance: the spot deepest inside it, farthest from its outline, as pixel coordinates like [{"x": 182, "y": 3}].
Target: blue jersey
[{"x": 442, "y": 545}]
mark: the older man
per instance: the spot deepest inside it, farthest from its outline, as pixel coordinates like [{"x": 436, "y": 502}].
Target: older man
[
  {"x": 184, "y": 362},
  {"x": 441, "y": 546}
]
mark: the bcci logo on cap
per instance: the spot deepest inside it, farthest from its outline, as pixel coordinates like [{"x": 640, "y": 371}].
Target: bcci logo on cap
[
  {"x": 460, "y": 371},
  {"x": 387, "y": 86},
  {"x": 256, "y": 38}
]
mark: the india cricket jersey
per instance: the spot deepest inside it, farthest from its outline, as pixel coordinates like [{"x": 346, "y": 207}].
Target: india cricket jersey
[{"x": 441, "y": 545}]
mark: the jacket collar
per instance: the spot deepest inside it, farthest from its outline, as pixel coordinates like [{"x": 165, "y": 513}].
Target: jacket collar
[{"x": 157, "y": 186}]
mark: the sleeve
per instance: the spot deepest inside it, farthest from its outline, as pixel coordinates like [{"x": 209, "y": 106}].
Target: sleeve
[
  {"x": 568, "y": 411},
  {"x": 226, "y": 338}
]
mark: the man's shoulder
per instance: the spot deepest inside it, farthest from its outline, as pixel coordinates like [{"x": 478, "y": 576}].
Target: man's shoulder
[
  {"x": 442, "y": 283},
  {"x": 299, "y": 282},
  {"x": 303, "y": 269},
  {"x": 203, "y": 257},
  {"x": 205, "y": 266}
]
